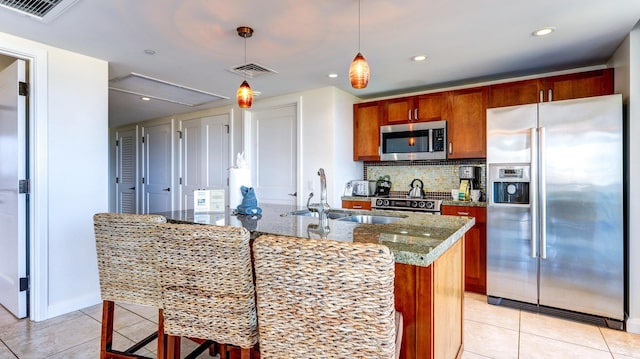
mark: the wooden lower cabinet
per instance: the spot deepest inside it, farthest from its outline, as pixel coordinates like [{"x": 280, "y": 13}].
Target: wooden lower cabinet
[
  {"x": 430, "y": 299},
  {"x": 475, "y": 249},
  {"x": 356, "y": 204}
]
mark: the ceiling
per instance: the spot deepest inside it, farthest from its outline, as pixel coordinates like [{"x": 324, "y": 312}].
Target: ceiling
[{"x": 195, "y": 42}]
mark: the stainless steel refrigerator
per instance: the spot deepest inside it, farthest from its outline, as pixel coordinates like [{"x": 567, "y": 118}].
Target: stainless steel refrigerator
[{"x": 555, "y": 214}]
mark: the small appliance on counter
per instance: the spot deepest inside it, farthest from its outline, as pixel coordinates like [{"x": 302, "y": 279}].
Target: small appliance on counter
[
  {"x": 383, "y": 186},
  {"x": 469, "y": 180},
  {"x": 361, "y": 188}
]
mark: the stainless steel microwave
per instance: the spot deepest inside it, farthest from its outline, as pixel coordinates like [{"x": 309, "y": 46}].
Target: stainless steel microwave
[{"x": 414, "y": 141}]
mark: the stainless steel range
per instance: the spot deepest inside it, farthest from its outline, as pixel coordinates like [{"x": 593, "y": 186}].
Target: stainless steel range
[{"x": 426, "y": 205}]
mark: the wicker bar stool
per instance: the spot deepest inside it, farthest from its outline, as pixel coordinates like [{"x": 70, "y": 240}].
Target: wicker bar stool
[
  {"x": 325, "y": 299},
  {"x": 207, "y": 286},
  {"x": 127, "y": 266}
]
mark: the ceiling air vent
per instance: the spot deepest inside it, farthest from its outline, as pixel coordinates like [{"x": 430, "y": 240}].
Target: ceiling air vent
[
  {"x": 43, "y": 10},
  {"x": 251, "y": 70}
]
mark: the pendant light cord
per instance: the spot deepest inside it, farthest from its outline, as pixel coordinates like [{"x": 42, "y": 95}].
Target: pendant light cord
[{"x": 358, "y": 25}]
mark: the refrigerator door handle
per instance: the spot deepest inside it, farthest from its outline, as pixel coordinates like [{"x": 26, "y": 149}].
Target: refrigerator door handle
[
  {"x": 543, "y": 197},
  {"x": 533, "y": 207}
]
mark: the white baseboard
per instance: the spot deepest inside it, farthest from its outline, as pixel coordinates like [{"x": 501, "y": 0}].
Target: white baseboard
[
  {"x": 633, "y": 325},
  {"x": 72, "y": 305}
]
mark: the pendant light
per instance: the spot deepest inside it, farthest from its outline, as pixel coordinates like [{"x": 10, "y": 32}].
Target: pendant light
[
  {"x": 245, "y": 94},
  {"x": 359, "y": 69}
]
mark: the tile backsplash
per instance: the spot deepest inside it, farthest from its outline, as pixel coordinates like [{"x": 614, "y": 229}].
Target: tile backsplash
[{"x": 439, "y": 177}]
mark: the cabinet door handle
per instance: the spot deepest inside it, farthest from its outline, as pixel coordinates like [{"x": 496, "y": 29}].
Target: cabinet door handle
[
  {"x": 541, "y": 95},
  {"x": 409, "y": 115},
  {"x": 463, "y": 213},
  {"x": 450, "y": 147},
  {"x": 415, "y": 114},
  {"x": 550, "y": 95}
]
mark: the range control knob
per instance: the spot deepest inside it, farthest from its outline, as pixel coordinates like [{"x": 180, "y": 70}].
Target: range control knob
[
  {"x": 379, "y": 202},
  {"x": 430, "y": 205},
  {"x": 422, "y": 204},
  {"x": 386, "y": 202},
  {"x": 414, "y": 204}
]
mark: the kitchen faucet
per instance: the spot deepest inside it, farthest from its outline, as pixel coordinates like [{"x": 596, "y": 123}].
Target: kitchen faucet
[{"x": 323, "y": 207}]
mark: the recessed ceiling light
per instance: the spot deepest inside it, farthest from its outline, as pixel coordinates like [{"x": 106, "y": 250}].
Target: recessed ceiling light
[
  {"x": 419, "y": 58},
  {"x": 144, "y": 98},
  {"x": 544, "y": 31},
  {"x": 149, "y": 52},
  {"x": 333, "y": 76}
]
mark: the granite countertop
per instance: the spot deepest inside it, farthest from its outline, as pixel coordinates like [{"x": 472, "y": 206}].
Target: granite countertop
[{"x": 416, "y": 239}]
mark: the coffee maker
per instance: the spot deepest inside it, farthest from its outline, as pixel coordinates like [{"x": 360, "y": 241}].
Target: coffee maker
[
  {"x": 469, "y": 180},
  {"x": 472, "y": 175}
]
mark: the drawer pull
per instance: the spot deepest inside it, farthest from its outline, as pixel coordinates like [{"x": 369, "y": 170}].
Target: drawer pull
[
  {"x": 357, "y": 206},
  {"x": 463, "y": 213}
]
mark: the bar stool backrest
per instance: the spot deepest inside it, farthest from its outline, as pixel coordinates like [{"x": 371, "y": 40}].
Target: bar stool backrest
[
  {"x": 324, "y": 298},
  {"x": 207, "y": 283},
  {"x": 128, "y": 257}
]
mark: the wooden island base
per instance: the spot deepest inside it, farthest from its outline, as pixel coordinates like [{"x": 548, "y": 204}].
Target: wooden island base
[{"x": 430, "y": 299}]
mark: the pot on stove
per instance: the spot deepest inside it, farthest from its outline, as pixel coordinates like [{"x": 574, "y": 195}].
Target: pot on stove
[{"x": 417, "y": 189}]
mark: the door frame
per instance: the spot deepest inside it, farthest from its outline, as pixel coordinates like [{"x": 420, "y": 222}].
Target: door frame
[
  {"x": 248, "y": 131},
  {"x": 37, "y": 118}
]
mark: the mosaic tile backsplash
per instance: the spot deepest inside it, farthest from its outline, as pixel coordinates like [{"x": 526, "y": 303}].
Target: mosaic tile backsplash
[{"x": 439, "y": 177}]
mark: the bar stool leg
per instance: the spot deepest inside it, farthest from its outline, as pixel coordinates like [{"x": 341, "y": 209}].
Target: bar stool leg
[{"x": 106, "y": 338}]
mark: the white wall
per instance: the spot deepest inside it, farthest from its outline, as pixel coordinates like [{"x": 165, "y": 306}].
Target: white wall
[
  {"x": 69, "y": 167},
  {"x": 326, "y": 140},
  {"x": 626, "y": 61}
]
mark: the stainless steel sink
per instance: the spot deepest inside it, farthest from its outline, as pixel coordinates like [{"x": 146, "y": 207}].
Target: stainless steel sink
[
  {"x": 371, "y": 219},
  {"x": 331, "y": 214}
]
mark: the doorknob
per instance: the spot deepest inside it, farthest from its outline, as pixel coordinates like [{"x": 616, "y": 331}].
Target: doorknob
[
  {"x": 294, "y": 194},
  {"x": 132, "y": 188},
  {"x": 167, "y": 189}
]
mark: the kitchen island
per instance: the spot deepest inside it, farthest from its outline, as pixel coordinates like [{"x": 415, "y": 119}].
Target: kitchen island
[{"x": 429, "y": 256}]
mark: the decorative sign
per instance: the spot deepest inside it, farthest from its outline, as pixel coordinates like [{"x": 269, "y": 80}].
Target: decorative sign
[{"x": 208, "y": 200}]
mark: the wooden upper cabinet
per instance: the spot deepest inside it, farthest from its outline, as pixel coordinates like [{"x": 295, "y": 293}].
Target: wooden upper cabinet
[
  {"x": 583, "y": 84},
  {"x": 428, "y": 107},
  {"x": 366, "y": 131},
  {"x": 397, "y": 110},
  {"x": 431, "y": 107},
  {"x": 515, "y": 93},
  {"x": 553, "y": 88},
  {"x": 466, "y": 125}
]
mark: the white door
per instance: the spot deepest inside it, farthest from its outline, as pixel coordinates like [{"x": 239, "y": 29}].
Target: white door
[
  {"x": 156, "y": 174},
  {"x": 204, "y": 149},
  {"x": 274, "y": 154},
  {"x": 13, "y": 204},
  {"x": 126, "y": 170}
]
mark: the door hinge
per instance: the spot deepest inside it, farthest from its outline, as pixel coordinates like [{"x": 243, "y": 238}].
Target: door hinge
[
  {"x": 117, "y": 143},
  {"x": 117, "y": 179},
  {"x": 180, "y": 134},
  {"x": 142, "y": 180},
  {"x": 142, "y": 139},
  {"x": 24, "y": 284},
  {"x": 180, "y": 180},
  {"x": 23, "y": 88},
  {"x": 23, "y": 186}
]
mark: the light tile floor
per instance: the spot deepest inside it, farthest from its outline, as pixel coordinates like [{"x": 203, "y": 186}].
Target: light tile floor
[{"x": 489, "y": 332}]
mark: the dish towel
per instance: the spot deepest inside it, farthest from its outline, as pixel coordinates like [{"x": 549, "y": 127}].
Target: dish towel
[{"x": 249, "y": 203}]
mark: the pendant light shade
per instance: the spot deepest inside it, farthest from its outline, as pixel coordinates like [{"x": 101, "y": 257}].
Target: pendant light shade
[
  {"x": 244, "y": 96},
  {"x": 359, "y": 69},
  {"x": 359, "y": 72}
]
